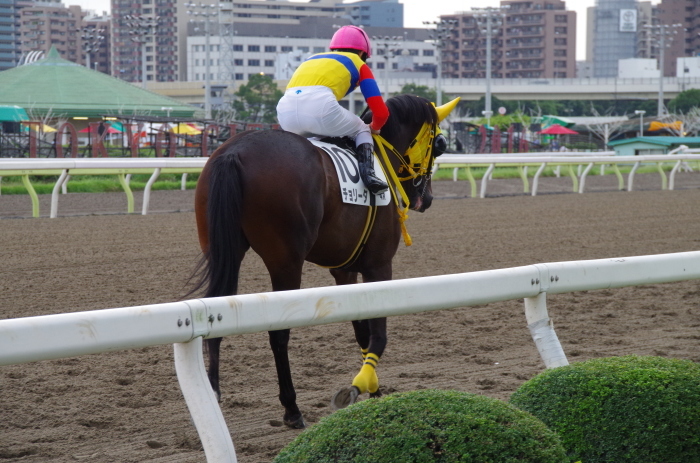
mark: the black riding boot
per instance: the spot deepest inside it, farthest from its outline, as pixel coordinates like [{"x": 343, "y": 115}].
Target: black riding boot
[{"x": 364, "y": 156}]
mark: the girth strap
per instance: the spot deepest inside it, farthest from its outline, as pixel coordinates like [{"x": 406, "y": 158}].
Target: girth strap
[{"x": 369, "y": 224}]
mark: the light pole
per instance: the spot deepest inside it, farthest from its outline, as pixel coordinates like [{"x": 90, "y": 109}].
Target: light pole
[
  {"x": 661, "y": 32},
  {"x": 91, "y": 39},
  {"x": 384, "y": 44},
  {"x": 443, "y": 32},
  {"x": 142, "y": 30},
  {"x": 489, "y": 18},
  {"x": 641, "y": 113},
  {"x": 207, "y": 12}
]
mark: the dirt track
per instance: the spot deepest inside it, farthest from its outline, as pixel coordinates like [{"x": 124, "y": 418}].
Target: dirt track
[{"x": 127, "y": 407}]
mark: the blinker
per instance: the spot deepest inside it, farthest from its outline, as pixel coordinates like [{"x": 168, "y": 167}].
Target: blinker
[{"x": 439, "y": 145}]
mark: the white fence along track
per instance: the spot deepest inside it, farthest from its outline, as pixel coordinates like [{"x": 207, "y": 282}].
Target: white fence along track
[
  {"x": 124, "y": 167},
  {"x": 186, "y": 323},
  {"x": 541, "y": 160}
]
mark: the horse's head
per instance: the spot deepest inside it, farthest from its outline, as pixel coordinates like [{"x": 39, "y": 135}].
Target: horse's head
[{"x": 415, "y": 139}]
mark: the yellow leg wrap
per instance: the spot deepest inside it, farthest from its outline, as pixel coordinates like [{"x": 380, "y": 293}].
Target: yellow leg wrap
[
  {"x": 366, "y": 380},
  {"x": 364, "y": 354}
]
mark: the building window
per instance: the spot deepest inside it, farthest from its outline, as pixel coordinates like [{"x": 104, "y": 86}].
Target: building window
[
  {"x": 269, "y": 63},
  {"x": 428, "y": 52},
  {"x": 238, "y": 48},
  {"x": 559, "y": 41},
  {"x": 239, "y": 76},
  {"x": 238, "y": 62},
  {"x": 254, "y": 48},
  {"x": 560, "y": 64},
  {"x": 561, "y": 52},
  {"x": 253, "y": 62},
  {"x": 270, "y": 48},
  {"x": 286, "y": 49},
  {"x": 560, "y": 30},
  {"x": 319, "y": 49}
]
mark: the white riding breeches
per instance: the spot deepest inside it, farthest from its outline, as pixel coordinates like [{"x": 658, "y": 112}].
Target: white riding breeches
[{"x": 314, "y": 111}]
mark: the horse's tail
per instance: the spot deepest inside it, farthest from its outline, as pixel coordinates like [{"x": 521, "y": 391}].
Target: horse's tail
[{"x": 218, "y": 269}]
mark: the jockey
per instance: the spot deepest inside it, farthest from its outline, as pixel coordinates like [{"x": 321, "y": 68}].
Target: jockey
[{"x": 310, "y": 105}]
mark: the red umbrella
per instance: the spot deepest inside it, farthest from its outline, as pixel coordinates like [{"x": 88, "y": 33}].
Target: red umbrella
[{"x": 556, "y": 129}]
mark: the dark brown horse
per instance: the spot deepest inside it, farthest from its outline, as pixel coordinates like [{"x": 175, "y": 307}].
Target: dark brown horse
[{"x": 275, "y": 192}]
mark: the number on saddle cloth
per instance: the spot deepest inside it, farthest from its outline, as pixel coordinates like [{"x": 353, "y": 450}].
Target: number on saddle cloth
[{"x": 352, "y": 189}]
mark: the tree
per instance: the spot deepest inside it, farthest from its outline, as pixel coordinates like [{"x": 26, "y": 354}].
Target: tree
[
  {"x": 257, "y": 99},
  {"x": 685, "y": 101},
  {"x": 419, "y": 90},
  {"x": 605, "y": 130}
]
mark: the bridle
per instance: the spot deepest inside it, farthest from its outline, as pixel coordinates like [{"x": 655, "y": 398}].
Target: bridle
[{"x": 416, "y": 163}]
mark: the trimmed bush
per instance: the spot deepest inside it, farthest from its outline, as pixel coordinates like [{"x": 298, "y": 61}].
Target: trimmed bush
[
  {"x": 620, "y": 409},
  {"x": 427, "y": 426}
]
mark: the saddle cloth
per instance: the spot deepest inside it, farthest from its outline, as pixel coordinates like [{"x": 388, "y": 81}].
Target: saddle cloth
[{"x": 352, "y": 188}]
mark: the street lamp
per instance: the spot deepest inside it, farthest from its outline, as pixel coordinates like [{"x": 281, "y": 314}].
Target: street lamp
[
  {"x": 641, "y": 113},
  {"x": 142, "y": 30},
  {"x": 384, "y": 44},
  {"x": 207, "y": 12},
  {"x": 487, "y": 114},
  {"x": 489, "y": 18},
  {"x": 661, "y": 32},
  {"x": 443, "y": 31}
]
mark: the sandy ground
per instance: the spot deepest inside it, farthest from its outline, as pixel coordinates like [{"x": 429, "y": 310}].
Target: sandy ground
[{"x": 127, "y": 406}]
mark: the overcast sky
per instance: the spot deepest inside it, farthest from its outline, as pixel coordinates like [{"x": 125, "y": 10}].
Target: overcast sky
[{"x": 417, "y": 11}]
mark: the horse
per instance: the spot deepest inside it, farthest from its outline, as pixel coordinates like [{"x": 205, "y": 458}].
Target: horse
[{"x": 277, "y": 193}]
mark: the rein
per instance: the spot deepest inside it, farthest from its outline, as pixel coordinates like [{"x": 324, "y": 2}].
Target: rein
[{"x": 422, "y": 168}]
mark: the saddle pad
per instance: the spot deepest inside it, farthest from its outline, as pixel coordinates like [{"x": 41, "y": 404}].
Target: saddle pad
[{"x": 352, "y": 188}]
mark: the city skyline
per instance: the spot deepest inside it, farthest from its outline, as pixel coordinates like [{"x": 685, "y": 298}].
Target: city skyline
[{"x": 417, "y": 11}]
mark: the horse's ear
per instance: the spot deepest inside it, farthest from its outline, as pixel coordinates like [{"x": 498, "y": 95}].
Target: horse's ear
[{"x": 444, "y": 110}]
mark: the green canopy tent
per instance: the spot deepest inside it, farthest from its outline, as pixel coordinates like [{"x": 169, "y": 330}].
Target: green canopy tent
[
  {"x": 59, "y": 88},
  {"x": 12, "y": 114}
]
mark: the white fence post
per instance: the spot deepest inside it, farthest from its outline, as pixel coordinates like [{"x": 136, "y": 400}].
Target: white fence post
[
  {"x": 542, "y": 331},
  {"x": 202, "y": 403}
]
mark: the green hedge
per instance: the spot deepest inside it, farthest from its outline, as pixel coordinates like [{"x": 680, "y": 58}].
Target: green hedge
[
  {"x": 427, "y": 426},
  {"x": 620, "y": 409}
]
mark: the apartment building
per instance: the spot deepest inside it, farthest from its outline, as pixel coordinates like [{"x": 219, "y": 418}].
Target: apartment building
[
  {"x": 530, "y": 39},
  {"x": 42, "y": 27},
  {"x": 8, "y": 49},
  {"x": 682, "y": 40}
]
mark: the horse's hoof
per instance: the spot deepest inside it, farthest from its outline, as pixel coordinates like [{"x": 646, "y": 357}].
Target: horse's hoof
[
  {"x": 344, "y": 397},
  {"x": 295, "y": 423}
]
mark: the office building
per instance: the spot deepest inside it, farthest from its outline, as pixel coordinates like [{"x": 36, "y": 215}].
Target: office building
[{"x": 614, "y": 35}]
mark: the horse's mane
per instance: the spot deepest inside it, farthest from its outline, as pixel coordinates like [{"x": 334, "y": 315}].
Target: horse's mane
[{"x": 405, "y": 110}]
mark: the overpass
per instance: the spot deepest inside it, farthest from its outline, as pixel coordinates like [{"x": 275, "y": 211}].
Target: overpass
[
  {"x": 473, "y": 89},
  {"x": 554, "y": 89}
]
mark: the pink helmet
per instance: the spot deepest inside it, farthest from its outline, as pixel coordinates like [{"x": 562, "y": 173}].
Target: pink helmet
[{"x": 351, "y": 37}]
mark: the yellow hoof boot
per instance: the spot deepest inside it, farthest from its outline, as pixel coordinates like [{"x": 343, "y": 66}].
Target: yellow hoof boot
[{"x": 367, "y": 380}]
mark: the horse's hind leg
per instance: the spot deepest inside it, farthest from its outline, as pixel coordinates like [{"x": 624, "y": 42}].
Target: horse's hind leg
[
  {"x": 279, "y": 340},
  {"x": 213, "y": 347},
  {"x": 286, "y": 278}
]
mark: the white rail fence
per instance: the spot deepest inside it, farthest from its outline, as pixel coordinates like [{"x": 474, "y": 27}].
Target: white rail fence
[
  {"x": 125, "y": 167},
  {"x": 585, "y": 162},
  {"x": 186, "y": 323}
]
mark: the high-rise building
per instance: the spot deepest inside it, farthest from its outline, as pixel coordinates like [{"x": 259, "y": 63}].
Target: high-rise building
[
  {"x": 42, "y": 26},
  {"x": 532, "y": 39},
  {"x": 681, "y": 19},
  {"x": 614, "y": 35},
  {"x": 8, "y": 49},
  {"x": 137, "y": 45}
]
